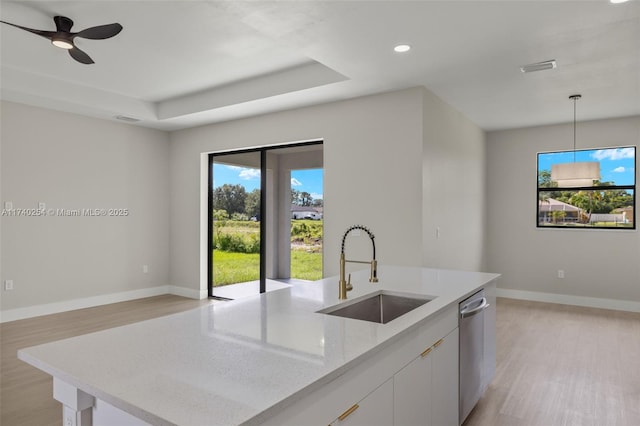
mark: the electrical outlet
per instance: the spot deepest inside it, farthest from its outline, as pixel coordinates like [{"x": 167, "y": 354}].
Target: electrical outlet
[
  {"x": 145, "y": 269},
  {"x": 8, "y": 285},
  {"x": 560, "y": 273}
]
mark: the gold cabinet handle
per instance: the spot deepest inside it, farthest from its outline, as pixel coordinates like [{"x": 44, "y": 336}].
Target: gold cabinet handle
[
  {"x": 348, "y": 412},
  {"x": 426, "y": 352},
  {"x": 438, "y": 343}
]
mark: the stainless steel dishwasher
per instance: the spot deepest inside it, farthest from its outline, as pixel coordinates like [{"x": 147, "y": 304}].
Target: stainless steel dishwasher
[{"x": 472, "y": 342}]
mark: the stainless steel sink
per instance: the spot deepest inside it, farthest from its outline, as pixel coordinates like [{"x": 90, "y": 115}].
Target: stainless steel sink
[{"x": 381, "y": 306}]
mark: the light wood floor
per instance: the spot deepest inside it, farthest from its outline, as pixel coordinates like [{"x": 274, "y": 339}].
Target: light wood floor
[
  {"x": 557, "y": 365},
  {"x": 26, "y": 393},
  {"x": 561, "y": 365}
]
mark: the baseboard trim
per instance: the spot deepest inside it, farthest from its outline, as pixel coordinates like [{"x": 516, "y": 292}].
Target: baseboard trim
[
  {"x": 566, "y": 299},
  {"x": 87, "y": 302},
  {"x": 90, "y": 302},
  {"x": 188, "y": 292}
]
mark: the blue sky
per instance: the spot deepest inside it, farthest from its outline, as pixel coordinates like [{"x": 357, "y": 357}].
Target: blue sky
[
  {"x": 309, "y": 180},
  {"x": 616, "y": 164},
  {"x": 301, "y": 180}
]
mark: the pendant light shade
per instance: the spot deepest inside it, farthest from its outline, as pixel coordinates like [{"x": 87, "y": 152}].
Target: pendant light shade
[
  {"x": 577, "y": 173},
  {"x": 572, "y": 175}
]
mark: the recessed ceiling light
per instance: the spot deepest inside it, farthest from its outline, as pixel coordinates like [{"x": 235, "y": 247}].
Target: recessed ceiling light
[
  {"x": 539, "y": 66},
  {"x": 401, "y": 48},
  {"x": 618, "y": 1}
]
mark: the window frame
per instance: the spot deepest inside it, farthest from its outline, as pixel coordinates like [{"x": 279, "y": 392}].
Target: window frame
[{"x": 540, "y": 190}]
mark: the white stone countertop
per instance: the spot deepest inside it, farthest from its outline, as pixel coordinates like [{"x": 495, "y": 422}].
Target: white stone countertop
[{"x": 239, "y": 362}]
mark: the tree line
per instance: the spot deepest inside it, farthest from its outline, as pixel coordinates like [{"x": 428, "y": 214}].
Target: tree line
[
  {"x": 600, "y": 199},
  {"x": 303, "y": 198},
  {"x": 232, "y": 201}
]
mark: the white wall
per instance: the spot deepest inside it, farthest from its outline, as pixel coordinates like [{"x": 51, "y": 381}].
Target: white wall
[
  {"x": 395, "y": 162},
  {"x": 73, "y": 162},
  {"x": 453, "y": 189},
  {"x": 597, "y": 263},
  {"x": 374, "y": 176}
]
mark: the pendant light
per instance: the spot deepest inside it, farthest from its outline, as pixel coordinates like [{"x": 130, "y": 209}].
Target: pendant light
[{"x": 575, "y": 174}]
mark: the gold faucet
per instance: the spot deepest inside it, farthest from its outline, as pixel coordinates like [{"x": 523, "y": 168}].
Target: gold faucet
[{"x": 343, "y": 285}]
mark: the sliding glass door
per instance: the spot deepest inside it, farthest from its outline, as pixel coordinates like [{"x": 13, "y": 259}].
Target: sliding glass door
[
  {"x": 252, "y": 218},
  {"x": 307, "y": 220},
  {"x": 235, "y": 201}
]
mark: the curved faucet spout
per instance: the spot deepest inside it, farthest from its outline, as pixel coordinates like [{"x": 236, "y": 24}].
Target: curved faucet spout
[
  {"x": 345, "y": 286},
  {"x": 365, "y": 229}
]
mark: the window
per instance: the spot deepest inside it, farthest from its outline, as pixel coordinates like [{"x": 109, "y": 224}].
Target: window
[{"x": 606, "y": 202}]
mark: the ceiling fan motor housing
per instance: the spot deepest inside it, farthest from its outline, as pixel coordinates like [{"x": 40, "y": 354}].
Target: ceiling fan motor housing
[{"x": 63, "y": 24}]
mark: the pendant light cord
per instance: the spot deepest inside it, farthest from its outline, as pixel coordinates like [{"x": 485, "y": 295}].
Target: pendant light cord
[
  {"x": 574, "y": 98},
  {"x": 574, "y": 129}
]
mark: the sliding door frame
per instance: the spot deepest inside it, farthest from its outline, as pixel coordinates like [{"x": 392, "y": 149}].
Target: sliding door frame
[{"x": 263, "y": 206}]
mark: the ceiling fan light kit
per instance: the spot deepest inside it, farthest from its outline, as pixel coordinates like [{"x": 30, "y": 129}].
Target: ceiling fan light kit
[
  {"x": 63, "y": 38},
  {"x": 62, "y": 43}
]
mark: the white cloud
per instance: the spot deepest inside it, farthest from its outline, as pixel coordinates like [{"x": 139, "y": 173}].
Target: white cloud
[
  {"x": 249, "y": 174},
  {"x": 613, "y": 154},
  {"x": 295, "y": 182},
  {"x": 316, "y": 196},
  {"x": 619, "y": 170}
]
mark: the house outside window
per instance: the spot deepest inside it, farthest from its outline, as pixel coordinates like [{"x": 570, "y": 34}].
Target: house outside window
[{"x": 579, "y": 202}]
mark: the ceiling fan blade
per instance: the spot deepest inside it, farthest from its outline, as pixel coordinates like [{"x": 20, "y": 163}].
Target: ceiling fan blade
[
  {"x": 100, "y": 32},
  {"x": 80, "y": 56},
  {"x": 41, "y": 33}
]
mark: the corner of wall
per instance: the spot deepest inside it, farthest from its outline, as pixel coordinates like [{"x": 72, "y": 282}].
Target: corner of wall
[{"x": 454, "y": 158}]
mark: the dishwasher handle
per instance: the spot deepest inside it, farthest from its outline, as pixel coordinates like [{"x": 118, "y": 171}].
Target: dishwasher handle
[{"x": 470, "y": 310}]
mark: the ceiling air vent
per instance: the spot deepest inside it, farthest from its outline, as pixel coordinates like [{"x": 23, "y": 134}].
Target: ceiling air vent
[
  {"x": 127, "y": 119},
  {"x": 539, "y": 66}
]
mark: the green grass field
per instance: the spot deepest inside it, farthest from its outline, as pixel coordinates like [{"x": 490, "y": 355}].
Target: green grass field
[
  {"x": 230, "y": 268},
  {"x": 306, "y": 266}
]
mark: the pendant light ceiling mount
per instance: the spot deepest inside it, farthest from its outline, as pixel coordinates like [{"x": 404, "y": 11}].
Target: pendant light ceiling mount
[
  {"x": 574, "y": 98},
  {"x": 575, "y": 174}
]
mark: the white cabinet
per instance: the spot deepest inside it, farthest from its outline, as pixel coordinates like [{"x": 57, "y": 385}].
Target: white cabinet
[
  {"x": 411, "y": 381},
  {"x": 444, "y": 382},
  {"x": 412, "y": 392},
  {"x": 376, "y": 409},
  {"x": 426, "y": 390}
]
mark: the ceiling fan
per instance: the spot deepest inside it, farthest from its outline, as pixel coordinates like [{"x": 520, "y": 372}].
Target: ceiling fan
[{"x": 63, "y": 37}]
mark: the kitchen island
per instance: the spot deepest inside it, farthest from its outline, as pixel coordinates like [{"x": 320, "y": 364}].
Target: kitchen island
[{"x": 265, "y": 359}]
